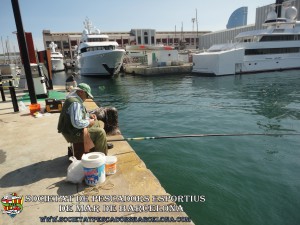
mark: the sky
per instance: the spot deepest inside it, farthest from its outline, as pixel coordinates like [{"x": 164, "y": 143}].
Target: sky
[{"x": 118, "y": 15}]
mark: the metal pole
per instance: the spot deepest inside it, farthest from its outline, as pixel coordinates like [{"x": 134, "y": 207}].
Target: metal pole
[
  {"x": 8, "y": 49},
  {"x": 4, "y": 53},
  {"x": 13, "y": 97},
  {"x": 24, "y": 50}
]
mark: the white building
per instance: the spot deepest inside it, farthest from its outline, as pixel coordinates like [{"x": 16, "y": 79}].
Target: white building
[{"x": 67, "y": 41}]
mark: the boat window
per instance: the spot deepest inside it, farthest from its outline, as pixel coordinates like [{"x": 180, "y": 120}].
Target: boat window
[
  {"x": 89, "y": 49},
  {"x": 239, "y": 40},
  {"x": 278, "y": 38},
  {"x": 276, "y": 20},
  {"x": 256, "y": 38},
  {"x": 278, "y": 30},
  {"x": 271, "y": 51},
  {"x": 110, "y": 47},
  {"x": 97, "y": 39},
  {"x": 247, "y": 40}
]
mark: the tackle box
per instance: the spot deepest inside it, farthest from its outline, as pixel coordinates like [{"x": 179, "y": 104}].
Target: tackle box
[{"x": 53, "y": 105}]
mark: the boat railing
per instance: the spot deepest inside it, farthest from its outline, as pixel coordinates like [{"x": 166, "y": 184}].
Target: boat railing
[{"x": 137, "y": 60}]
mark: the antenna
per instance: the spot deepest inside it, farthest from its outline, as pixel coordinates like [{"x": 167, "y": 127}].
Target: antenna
[
  {"x": 197, "y": 22},
  {"x": 88, "y": 24}
]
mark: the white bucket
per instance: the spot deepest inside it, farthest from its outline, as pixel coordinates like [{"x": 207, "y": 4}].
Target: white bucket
[
  {"x": 111, "y": 165},
  {"x": 94, "y": 168}
]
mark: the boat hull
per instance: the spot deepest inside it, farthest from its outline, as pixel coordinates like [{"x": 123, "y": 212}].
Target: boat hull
[
  {"x": 101, "y": 63},
  {"x": 235, "y": 62}
]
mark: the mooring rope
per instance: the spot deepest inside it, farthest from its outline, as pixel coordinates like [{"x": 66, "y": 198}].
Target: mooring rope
[{"x": 202, "y": 135}]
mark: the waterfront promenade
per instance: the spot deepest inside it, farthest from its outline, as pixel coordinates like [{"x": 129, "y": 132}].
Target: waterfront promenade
[{"x": 33, "y": 164}]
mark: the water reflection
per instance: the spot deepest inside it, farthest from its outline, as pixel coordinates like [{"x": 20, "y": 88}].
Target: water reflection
[
  {"x": 59, "y": 78},
  {"x": 271, "y": 95},
  {"x": 106, "y": 91},
  {"x": 275, "y": 96}
]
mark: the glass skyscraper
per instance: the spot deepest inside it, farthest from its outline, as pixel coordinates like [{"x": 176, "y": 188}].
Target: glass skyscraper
[{"x": 238, "y": 18}]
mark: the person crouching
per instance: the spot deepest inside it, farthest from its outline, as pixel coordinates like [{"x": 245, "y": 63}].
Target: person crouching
[{"x": 76, "y": 125}]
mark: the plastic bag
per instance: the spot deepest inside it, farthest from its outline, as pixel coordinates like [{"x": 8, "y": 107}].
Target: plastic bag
[{"x": 75, "y": 171}]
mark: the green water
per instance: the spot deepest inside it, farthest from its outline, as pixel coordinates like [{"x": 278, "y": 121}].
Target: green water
[{"x": 249, "y": 180}]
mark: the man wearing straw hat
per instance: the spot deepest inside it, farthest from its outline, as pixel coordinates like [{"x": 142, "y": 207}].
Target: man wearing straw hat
[{"x": 76, "y": 125}]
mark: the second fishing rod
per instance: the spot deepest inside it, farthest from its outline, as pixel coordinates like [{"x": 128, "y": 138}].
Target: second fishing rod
[{"x": 203, "y": 135}]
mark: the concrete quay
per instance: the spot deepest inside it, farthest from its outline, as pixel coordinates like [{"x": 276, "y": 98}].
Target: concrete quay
[
  {"x": 33, "y": 164},
  {"x": 161, "y": 70}
]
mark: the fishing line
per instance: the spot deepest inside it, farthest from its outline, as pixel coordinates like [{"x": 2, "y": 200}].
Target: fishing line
[
  {"x": 202, "y": 135},
  {"x": 140, "y": 102}
]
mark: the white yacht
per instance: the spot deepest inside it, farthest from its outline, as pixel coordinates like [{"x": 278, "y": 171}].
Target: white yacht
[
  {"x": 97, "y": 56},
  {"x": 277, "y": 47},
  {"x": 57, "y": 59}
]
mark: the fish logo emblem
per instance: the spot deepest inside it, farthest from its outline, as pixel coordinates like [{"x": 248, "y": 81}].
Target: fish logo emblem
[{"x": 12, "y": 204}]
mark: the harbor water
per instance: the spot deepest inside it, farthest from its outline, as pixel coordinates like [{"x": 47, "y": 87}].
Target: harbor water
[{"x": 249, "y": 180}]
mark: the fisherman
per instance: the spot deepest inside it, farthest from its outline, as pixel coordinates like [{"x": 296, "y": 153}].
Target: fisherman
[{"x": 76, "y": 125}]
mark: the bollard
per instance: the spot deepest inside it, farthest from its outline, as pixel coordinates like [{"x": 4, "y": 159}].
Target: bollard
[
  {"x": 13, "y": 97},
  {"x": 2, "y": 93}
]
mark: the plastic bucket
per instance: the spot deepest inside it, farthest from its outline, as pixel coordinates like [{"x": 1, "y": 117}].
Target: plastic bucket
[
  {"x": 111, "y": 165},
  {"x": 94, "y": 168},
  {"x": 34, "y": 108}
]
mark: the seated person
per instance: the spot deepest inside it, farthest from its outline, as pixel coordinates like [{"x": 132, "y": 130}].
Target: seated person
[
  {"x": 74, "y": 119},
  {"x": 70, "y": 83}
]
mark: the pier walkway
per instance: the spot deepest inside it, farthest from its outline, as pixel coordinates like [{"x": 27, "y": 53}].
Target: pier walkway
[{"x": 33, "y": 164}]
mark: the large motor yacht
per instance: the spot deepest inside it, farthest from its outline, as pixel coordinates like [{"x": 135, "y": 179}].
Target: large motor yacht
[
  {"x": 277, "y": 47},
  {"x": 97, "y": 56}
]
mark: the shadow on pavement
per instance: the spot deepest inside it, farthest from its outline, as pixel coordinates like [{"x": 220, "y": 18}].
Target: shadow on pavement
[{"x": 42, "y": 170}]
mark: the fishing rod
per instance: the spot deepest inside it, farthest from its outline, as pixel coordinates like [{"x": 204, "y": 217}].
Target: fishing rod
[{"x": 202, "y": 135}]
